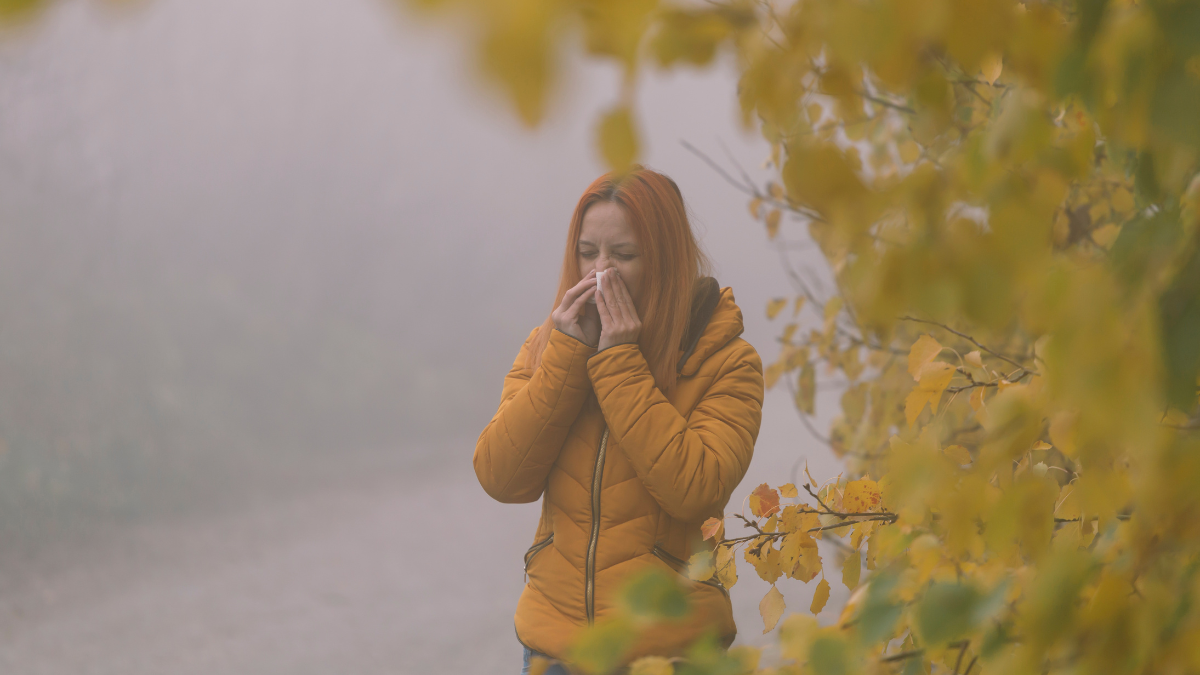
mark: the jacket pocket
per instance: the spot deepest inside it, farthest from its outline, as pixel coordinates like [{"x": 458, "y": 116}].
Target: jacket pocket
[
  {"x": 681, "y": 566},
  {"x": 533, "y": 550}
]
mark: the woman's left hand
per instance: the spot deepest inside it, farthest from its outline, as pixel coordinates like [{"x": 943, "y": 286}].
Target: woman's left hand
[{"x": 619, "y": 322}]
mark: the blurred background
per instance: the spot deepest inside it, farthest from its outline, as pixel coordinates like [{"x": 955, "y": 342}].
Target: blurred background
[{"x": 263, "y": 267}]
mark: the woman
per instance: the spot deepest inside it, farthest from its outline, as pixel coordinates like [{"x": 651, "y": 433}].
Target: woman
[{"x": 632, "y": 411}]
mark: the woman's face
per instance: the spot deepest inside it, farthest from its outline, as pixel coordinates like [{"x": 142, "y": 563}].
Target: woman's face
[{"x": 607, "y": 241}]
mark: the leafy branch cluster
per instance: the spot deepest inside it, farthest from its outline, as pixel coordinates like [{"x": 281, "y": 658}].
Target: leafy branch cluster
[{"x": 1006, "y": 196}]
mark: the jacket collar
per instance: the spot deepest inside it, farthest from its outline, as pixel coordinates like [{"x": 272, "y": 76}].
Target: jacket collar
[{"x": 715, "y": 320}]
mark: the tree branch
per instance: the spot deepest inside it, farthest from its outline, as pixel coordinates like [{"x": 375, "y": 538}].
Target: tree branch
[{"x": 970, "y": 339}]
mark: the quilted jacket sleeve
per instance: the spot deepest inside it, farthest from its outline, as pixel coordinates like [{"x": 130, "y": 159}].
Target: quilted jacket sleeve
[
  {"x": 690, "y": 466},
  {"x": 517, "y": 448}
]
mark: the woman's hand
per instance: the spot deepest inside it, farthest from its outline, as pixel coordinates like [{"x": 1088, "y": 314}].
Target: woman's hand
[
  {"x": 572, "y": 316},
  {"x": 619, "y": 321}
]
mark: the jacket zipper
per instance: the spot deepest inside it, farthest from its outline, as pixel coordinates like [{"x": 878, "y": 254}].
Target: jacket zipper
[
  {"x": 533, "y": 551},
  {"x": 590, "y": 589},
  {"x": 677, "y": 564}
]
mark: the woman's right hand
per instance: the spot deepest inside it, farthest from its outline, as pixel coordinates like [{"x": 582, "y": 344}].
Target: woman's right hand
[{"x": 573, "y": 316}]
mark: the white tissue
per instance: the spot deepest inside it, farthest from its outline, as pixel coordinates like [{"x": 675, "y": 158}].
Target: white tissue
[{"x": 598, "y": 275}]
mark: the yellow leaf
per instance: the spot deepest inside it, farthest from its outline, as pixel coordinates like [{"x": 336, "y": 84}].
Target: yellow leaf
[
  {"x": 796, "y": 635},
  {"x": 517, "y": 51},
  {"x": 776, "y": 190},
  {"x": 771, "y": 608},
  {"x": 851, "y": 568},
  {"x": 833, "y": 307},
  {"x": 1042, "y": 445},
  {"x": 796, "y": 358},
  {"x": 992, "y": 66},
  {"x": 539, "y": 665},
  {"x": 909, "y": 151},
  {"x": 652, "y": 665},
  {"x": 820, "y": 175},
  {"x": 764, "y": 501},
  {"x": 701, "y": 566},
  {"x": 789, "y": 330},
  {"x": 788, "y": 491},
  {"x": 765, "y": 559},
  {"x": 773, "y": 219},
  {"x": 790, "y": 551},
  {"x": 755, "y": 205},
  {"x": 774, "y": 306},
  {"x": 1105, "y": 236},
  {"x": 1175, "y": 417},
  {"x": 808, "y": 565},
  {"x": 1062, "y": 432},
  {"x": 860, "y": 531},
  {"x": 798, "y": 304},
  {"x": 726, "y": 566},
  {"x": 690, "y": 36},
  {"x": 932, "y": 381},
  {"x": 977, "y": 398},
  {"x": 814, "y": 113},
  {"x": 713, "y": 527},
  {"x": 820, "y": 597},
  {"x": 861, "y": 496},
  {"x": 806, "y": 390},
  {"x": 974, "y": 359},
  {"x": 811, "y": 480},
  {"x": 924, "y": 350},
  {"x": 617, "y": 139},
  {"x": 771, "y": 376},
  {"x": 795, "y": 520},
  {"x": 958, "y": 454},
  {"x": 1122, "y": 200},
  {"x": 746, "y": 657},
  {"x": 977, "y": 405}
]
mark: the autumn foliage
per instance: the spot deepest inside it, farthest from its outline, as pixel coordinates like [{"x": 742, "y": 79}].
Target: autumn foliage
[{"x": 1005, "y": 194}]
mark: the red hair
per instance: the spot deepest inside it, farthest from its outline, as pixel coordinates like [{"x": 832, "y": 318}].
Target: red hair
[{"x": 673, "y": 262}]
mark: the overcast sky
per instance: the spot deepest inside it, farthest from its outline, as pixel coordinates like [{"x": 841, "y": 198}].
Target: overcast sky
[
  {"x": 248, "y": 247},
  {"x": 301, "y": 226}
]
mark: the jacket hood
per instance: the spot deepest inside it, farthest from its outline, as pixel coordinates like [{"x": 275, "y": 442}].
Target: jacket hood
[{"x": 715, "y": 320}]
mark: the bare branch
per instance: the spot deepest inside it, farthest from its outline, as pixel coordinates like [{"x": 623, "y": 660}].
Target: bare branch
[
  {"x": 970, "y": 339},
  {"x": 748, "y": 189},
  {"x": 886, "y": 103}
]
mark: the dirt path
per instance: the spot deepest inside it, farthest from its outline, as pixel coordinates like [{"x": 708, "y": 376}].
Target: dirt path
[
  {"x": 342, "y": 582},
  {"x": 399, "y": 571}
]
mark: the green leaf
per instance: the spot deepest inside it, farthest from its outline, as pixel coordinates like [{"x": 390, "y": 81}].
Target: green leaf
[
  {"x": 1175, "y": 105},
  {"x": 879, "y": 612},
  {"x": 828, "y": 656},
  {"x": 1179, "y": 311},
  {"x": 601, "y": 648},
  {"x": 617, "y": 139},
  {"x": 951, "y": 611},
  {"x": 654, "y": 594},
  {"x": 1145, "y": 243}
]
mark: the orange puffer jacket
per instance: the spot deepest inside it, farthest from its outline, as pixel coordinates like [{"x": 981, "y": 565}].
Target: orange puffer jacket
[{"x": 628, "y": 475}]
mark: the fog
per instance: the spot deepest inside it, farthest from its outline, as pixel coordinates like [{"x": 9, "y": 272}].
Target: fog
[{"x": 263, "y": 267}]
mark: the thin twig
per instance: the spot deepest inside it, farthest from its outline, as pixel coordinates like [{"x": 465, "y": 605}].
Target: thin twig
[
  {"x": 814, "y": 496},
  {"x": 962, "y": 652},
  {"x": 748, "y": 189},
  {"x": 970, "y": 339},
  {"x": 902, "y": 656},
  {"x": 886, "y": 103},
  {"x": 732, "y": 160},
  {"x": 889, "y": 518}
]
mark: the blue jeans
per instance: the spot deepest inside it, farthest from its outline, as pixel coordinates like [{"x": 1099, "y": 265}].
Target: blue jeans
[{"x": 555, "y": 669}]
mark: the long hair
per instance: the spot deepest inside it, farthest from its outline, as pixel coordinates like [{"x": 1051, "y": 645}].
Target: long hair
[{"x": 673, "y": 261}]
